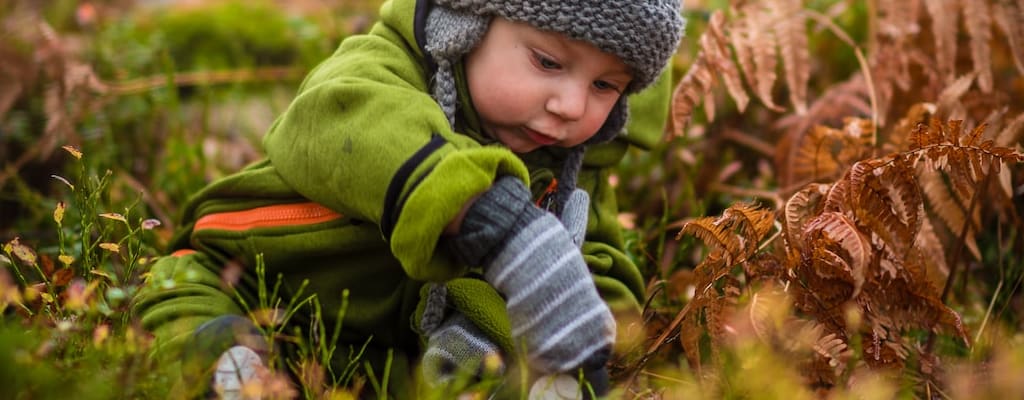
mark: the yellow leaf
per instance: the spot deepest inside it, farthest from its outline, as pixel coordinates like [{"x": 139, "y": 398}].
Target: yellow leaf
[
  {"x": 66, "y": 259},
  {"x": 58, "y": 213},
  {"x": 66, "y": 182},
  {"x": 101, "y": 273},
  {"x": 31, "y": 293},
  {"x": 21, "y": 251},
  {"x": 114, "y": 216},
  {"x": 73, "y": 151},
  {"x": 111, "y": 247}
]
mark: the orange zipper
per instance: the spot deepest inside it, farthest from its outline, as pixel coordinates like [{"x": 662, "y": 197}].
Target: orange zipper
[
  {"x": 182, "y": 252},
  {"x": 551, "y": 189},
  {"x": 268, "y": 217}
]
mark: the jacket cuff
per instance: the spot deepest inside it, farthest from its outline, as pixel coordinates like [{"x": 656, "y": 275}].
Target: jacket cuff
[{"x": 502, "y": 210}]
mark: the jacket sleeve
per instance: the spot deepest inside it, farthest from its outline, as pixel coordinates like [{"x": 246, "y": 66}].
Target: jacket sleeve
[{"x": 364, "y": 138}]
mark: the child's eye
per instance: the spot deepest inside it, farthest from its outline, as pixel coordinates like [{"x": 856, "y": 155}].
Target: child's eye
[
  {"x": 605, "y": 85},
  {"x": 545, "y": 62}
]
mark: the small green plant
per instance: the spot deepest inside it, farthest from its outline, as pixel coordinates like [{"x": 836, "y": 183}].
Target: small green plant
[{"x": 61, "y": 320}]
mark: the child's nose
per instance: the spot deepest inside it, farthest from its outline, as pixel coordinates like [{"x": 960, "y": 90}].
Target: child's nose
[{"x": 569, "y": 102}]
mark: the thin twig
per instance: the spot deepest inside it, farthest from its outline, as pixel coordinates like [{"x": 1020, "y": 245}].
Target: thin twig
[
  {"x": 140, "y": 85},
  {"x": 958, "y": 252},
  {"x": 750, "y": 141},
  {"x": 658, "y": 343}
]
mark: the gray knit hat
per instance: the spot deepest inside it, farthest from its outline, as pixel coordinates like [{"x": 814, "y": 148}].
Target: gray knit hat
[{"x": 644, "y": 34}]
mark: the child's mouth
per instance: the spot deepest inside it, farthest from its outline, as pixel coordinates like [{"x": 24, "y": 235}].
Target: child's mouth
[{"x": 539, "y": 138}]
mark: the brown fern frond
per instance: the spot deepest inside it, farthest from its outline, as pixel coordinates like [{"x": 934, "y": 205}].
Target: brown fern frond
[
  {"x": 726, "y": 69},
  {"x": 707, "y": 315},
  {"x": 831, "y": 109},
  {"x": 1009, "y": 17},
  {"x": 899, "y": 136},
  {"x": 898, "y": 18},
  {"x": 841, "y": 234},
  {"x": 800, "y": 208},
  {"x": 873, "y": 205},
  {"x": 826, "y": 152},
  {"x": 952, "y": 213},
  {"x": 791, "y": 33},
  {"x": 979, "y": 27},
  {"x": 716, "y": 233},
  {"x": 696, "y": 85},
  {"x": 933, "y": 254},
  {"x": 815, "y": 158},
  {"x": 741, "y": 34},
  {"x": 821, "y": 285},
  {"x": 754, "y": 222},
  {"x": 900, "y": 183},
  {"x": 762, "y": 45},
  {"x": 907, "y": 302},
  {"x": 838, "y": 197},
  {"x": 945, "y": 16},
  {"x": 1011, "y": 134},
  {"x": 950, "y": 105}
]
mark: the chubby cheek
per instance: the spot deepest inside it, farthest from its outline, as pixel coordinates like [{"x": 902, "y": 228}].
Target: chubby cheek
[{"x": 500, "y": 103}]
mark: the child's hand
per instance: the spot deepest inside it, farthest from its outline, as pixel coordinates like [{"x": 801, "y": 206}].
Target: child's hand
[
  {"x": 457, "y": 349},
  {"x": 531, "y": 259}
]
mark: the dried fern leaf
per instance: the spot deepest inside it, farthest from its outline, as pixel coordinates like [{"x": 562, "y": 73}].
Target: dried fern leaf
[
  {"x": 1011, "y": 134},
  {"x": 814, "y": 158},
  {"x": 951, "y": 212},
  {"x": 900, "y": 134},
  {"x": 979, "y": 28},
  {"x": 898, "y": 19},
  {"x": 755, "y": 223},
  {"x": 897, "y": 23},
  {"x": 696, "y": 85},
  {"x": 1009, "y": 17},
  {"x": 838, "y": 197},
  {"x": 899, "y": 181},
  {"x": 873, "y": 208},
  {"x": 707, "y": 315},
  {"x": 740, "y": 36},
  {"x": 722, "y": 60},
  {"x": 800, "y": 208},
  {"x": 715, "y": 232},
  {"x": 763, "y": 45},
  {"x": 842, "y": 231},
  {"x": 838, "y": 102},
  {"x": 791, "y": 33},
  {"x": 944, "y": 17},
  {"x": 949, "y": 103},
  {"x": 932, "y": 253}
]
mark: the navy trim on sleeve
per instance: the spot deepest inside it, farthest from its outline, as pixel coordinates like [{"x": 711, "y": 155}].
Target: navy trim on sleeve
[
  {"x": 420, "y": 31},
  {"x": 393, "y": 204}
]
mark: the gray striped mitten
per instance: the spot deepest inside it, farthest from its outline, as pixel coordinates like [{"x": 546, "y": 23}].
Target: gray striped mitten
[
  {"x": 457, "y": 348},
  {"x": 531, "y": 259}
]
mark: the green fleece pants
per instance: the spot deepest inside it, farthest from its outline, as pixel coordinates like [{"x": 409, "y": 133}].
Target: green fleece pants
[{"x": 252, "y": 219}]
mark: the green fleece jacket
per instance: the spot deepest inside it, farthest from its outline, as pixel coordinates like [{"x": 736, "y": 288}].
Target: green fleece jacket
[{"x": 362, "y": 174}]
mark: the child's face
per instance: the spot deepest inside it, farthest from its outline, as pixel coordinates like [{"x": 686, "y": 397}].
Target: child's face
[{"x": 535, "y": 88}]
